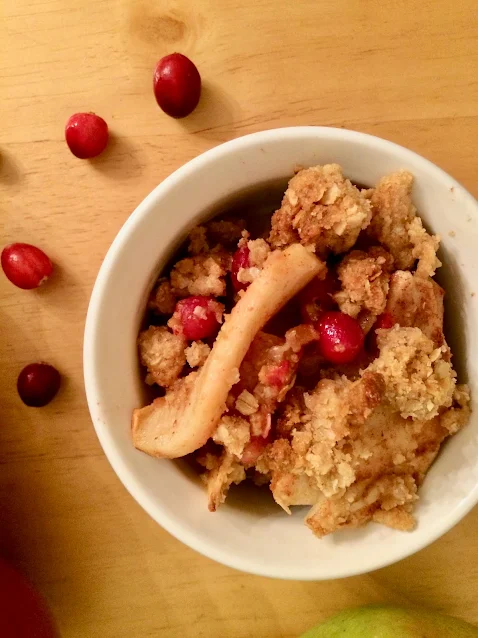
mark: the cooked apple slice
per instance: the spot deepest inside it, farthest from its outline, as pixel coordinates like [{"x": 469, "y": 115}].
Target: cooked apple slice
[
  {"x": 415, "y": 301},
  {"x": 182, "y": 422}
]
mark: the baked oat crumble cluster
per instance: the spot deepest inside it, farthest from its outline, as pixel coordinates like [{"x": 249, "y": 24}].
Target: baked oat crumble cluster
[{"x": 250, "y": 342}]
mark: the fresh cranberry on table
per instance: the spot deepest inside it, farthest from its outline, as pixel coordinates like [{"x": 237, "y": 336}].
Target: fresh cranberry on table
[
  {"x": 177, "y": 85},
  {"x": 86, "y": 135},
  {"x": 25, "y": 265},
  {"x": 23, "y": 610},
  {"x": 38, "y": 384}
]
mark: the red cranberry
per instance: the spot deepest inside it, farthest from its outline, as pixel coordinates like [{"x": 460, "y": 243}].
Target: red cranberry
[
  {"x": 199, "y": 317},
  {"x": 279, "y": 375},
  {"x": 25, "y": 265},
  {"x": 340, "y": 337},
  {"x": 37, "y": 384},
  {"x": 240, "y": 259},
  {"x": 86, "y": 135},
  {"x": 177, "y": 85},
  {"x": 23, "y": 610},
  {"x": 317, "y": 297},
  {"x": 384, "y": 322}
]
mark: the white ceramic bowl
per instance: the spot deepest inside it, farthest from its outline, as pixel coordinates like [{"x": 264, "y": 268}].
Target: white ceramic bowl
[{"x": 250, "y": 532}]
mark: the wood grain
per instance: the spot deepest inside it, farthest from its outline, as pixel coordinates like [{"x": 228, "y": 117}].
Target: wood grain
[{"x": 406, "y": 71}]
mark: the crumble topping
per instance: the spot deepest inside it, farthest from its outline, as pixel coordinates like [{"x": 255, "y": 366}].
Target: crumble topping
[
  {"x": 353, "y": 441},
  {"x": 163, "y": 354},
  {"x": 321, "y": 208}
]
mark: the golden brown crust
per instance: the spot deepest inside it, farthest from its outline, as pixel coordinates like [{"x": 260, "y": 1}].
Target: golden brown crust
[
  {"x": 197, "y": 353},
  {"x": 233, "y": 433},
  {"x": 419, "y": 380},
  {"x": 163, "y": 354},
  {"x": 162, "y": 299},
  {"x": 225, "y": 232},
  {"x": 366, "y": 442},
  {"x": 259, "y": 251},
  {"x": 320, "y": 208},
  {"x": 397, "y": 227},
  {"x": 198, "y": 243},
  {"x": 365, "y": 277},
  {"x": 201, "y": 275},
  {"x": 459, "y": 414},
  {"x": 425, "y": 247},
  {"x": 315, "y": 445},
  {"x": 219, "y": 479},
  {"x": 391, "y": 495}
]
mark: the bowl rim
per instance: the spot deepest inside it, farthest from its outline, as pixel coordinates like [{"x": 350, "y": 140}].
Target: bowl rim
[{"x": 104, "y": 434}]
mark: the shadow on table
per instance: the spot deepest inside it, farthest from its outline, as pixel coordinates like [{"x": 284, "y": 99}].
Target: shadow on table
[
  {"x": 215, "y": 114},
  {"x": 120, "y": 160}
]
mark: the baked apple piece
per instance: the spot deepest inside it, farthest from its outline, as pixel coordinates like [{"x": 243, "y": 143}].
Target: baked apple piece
[{"x": 182, "y": 421}]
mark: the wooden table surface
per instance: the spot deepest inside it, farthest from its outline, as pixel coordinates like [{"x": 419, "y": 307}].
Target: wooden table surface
[{"x": 406, "y": 71}]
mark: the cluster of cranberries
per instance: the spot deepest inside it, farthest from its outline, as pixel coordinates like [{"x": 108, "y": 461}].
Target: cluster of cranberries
[
  {"x": 28, "y": 267},
  {"x": 177, "y": 89}
]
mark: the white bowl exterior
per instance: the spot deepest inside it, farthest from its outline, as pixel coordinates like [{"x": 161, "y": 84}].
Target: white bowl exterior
[{"x": 274, "y": 544}]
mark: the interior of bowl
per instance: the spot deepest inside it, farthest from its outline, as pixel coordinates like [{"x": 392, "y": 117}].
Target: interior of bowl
[{"x": 250, "y": 532}]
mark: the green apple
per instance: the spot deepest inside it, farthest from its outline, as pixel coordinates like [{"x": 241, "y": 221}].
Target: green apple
[{"x": 380, "y": 621}]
